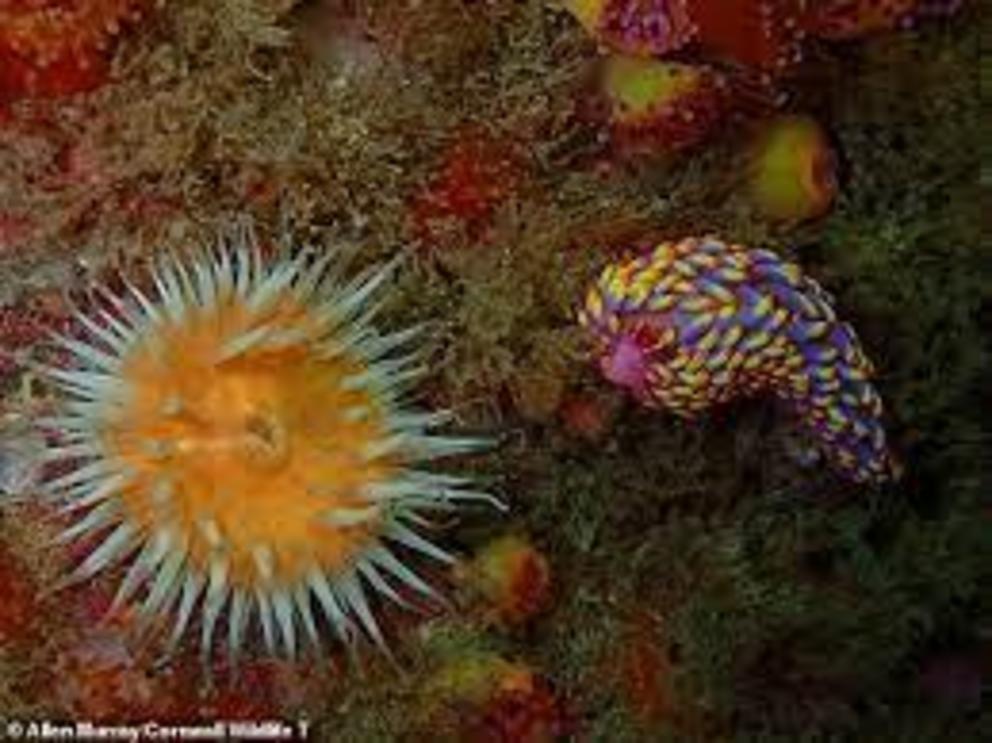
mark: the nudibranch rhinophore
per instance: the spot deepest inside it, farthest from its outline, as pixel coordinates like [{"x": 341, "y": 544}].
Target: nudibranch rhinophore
[
  {"x": 698, "y": 322},
  {"x": 238, "y": 440}
]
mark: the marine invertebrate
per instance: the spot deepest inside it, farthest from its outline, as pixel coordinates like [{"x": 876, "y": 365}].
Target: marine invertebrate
[
  {"x": 512, "y": 576},
  {"x": 640, "y": 27},
  {"x": 241, "y": 444},
  {"x": 57, "y": 47},
  {"x": 697, "y": 322},
  {"x": 792, "y": 174},
  {"x": 481, "y": 696},
  {"x": 763, "y": 35},
  {"x": 478, "y": 172},
  {"x": 664, "y": 107}
]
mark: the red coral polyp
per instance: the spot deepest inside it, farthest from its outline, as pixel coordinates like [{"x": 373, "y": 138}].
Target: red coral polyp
[
  {"x": 478, "y": 173},
  {"x": 58, "y": 47}
]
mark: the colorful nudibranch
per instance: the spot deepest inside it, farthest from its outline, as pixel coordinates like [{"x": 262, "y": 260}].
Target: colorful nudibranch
[{"x": 698, "y": 322}]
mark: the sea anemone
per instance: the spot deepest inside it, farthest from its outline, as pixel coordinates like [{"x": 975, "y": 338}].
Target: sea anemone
[
  {"x": 661, "y": 107},
  {"x": 241, "y": 442},
  {"x": 57, "y": 47},
  {"x": 698, "y": 322},
  {"x": 792, "y": 174}
]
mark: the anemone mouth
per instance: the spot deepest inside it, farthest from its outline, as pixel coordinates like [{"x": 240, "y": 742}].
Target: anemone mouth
[{"x": 241, "y": 445}]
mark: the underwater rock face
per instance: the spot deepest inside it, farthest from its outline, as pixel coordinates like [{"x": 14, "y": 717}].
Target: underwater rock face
[
  {"x": 239, "y": 445},
  {"x": 699, "y": 322}
]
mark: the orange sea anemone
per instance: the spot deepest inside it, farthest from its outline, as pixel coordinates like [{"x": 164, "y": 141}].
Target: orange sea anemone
[{"x": 239, "y": 442}]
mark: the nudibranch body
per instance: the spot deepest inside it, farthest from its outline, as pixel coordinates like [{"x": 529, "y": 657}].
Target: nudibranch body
[
  {"x": 698, "y": 322},
  {"x": 240, "y": 443}
]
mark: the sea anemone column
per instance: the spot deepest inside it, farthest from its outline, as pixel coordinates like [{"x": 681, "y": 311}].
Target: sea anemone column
[{"x": 237, "y": 440}]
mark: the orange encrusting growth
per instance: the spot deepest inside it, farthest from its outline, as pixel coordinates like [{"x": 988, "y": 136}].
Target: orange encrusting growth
[
  {"x": 51, "y": 48},
  {"x": 257, "y": 448},
  {"x": 52, "y": 30}
]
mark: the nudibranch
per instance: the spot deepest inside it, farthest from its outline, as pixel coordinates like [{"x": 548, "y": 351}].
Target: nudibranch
[
  {"x": 660, "y": 106},
  {"x": 792, "y": 170},
  {"x": 58, "y": 47},
  {"x": 698, "y": 322},
  {"x": 236, "y": 436}
]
